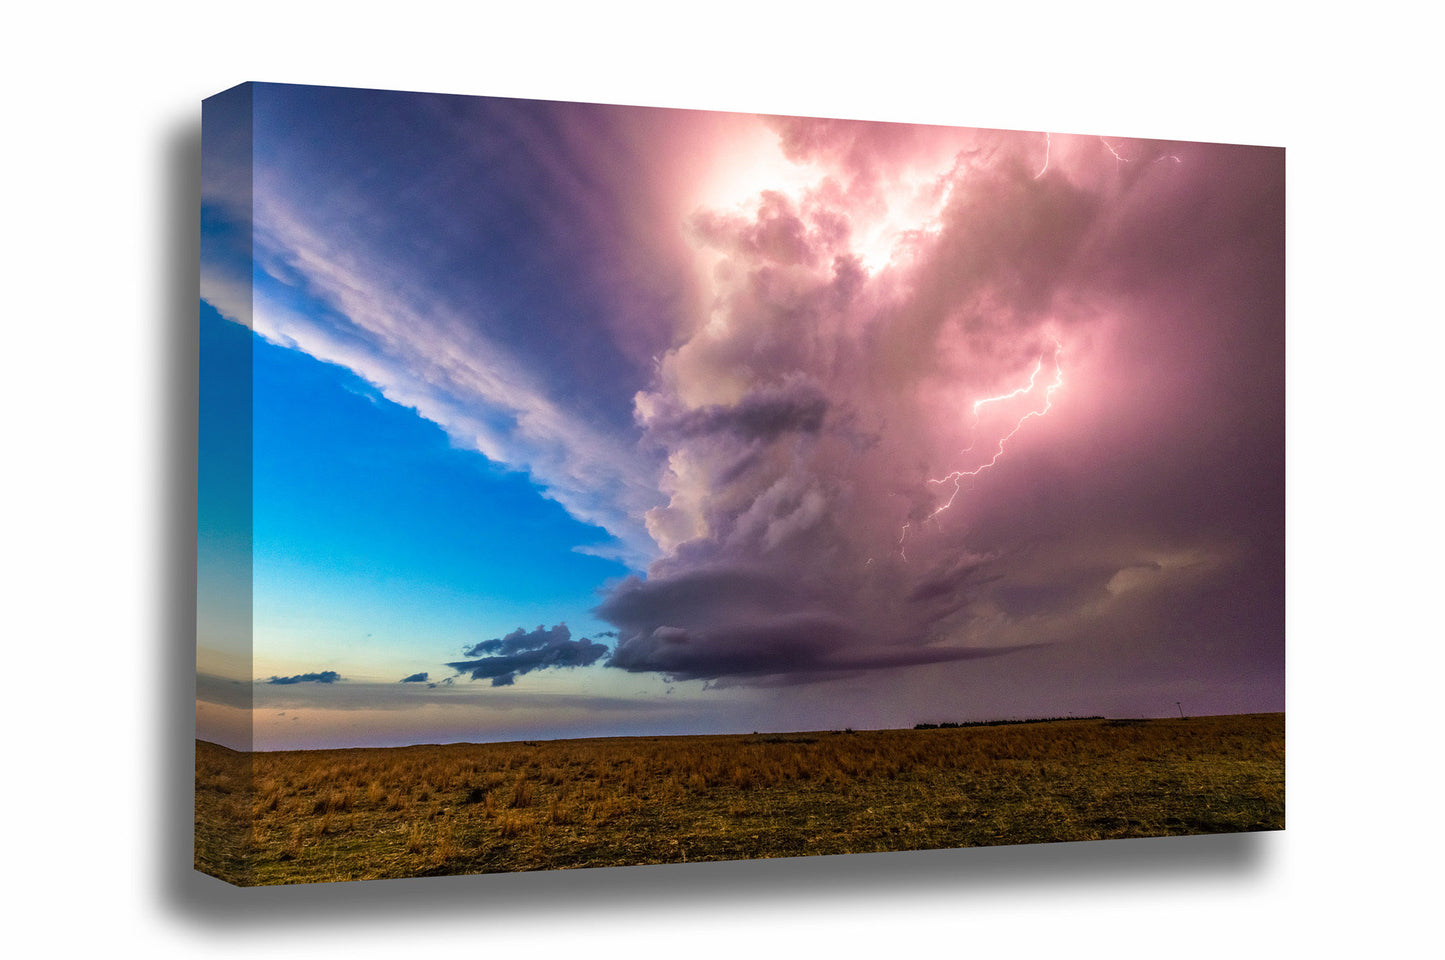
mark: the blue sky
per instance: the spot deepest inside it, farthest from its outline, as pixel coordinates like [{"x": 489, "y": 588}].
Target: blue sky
[{"x": 379, "y": 542}]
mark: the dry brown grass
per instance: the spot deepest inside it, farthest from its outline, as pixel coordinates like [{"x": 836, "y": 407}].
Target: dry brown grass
[{"x": 306, "y": 816}]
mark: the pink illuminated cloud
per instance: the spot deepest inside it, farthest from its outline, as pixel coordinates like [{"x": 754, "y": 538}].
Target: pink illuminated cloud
[{"x": 956, "y": 393}]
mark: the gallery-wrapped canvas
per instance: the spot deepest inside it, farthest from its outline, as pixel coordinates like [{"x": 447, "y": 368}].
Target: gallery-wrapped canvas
[{"x": 587, "y": 485}]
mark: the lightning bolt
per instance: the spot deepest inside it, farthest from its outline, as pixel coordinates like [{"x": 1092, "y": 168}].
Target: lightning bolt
[
  {"x": 957, "y": 476},
  {"x": 1048, "y": 146},
  {"x": 1123, "y": 159},
  {"x": 977, "y": 404},
  {"x": 1038, "y": 365},
  {"x": 1116, "y": 154}
]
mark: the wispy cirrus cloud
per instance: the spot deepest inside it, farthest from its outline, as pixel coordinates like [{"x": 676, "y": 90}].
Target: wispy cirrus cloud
[
  {"x": 430, "y": 358},
  {"x": 426, "y": 289}
]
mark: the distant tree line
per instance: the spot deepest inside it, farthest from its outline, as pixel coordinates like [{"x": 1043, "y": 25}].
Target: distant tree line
[{"x": 995, "y": 723}]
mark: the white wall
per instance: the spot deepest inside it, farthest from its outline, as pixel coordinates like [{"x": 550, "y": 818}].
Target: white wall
[{"x": 101, "y": 116}]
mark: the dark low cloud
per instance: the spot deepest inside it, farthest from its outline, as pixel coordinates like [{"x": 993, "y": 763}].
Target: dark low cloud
[
  {"x": 415, "y": 678},
  {"x": 519, "y": 640},
  {"x": 800, "y": 648},
  {"x": 795, "y": 406},
  {"x": 502, "y": 659},
  {"x": 772, "y": 626},
  {"x": 780, "y": 645},
  {"x": 704, "y": 595},
  {"x": 325, "y": 676}
]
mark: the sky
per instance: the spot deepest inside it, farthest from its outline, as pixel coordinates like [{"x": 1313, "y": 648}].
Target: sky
[{"x": 581, "y": 420}]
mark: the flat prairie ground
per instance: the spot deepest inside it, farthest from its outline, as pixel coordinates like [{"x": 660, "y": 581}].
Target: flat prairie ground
[{"x": 322, "y": 815}]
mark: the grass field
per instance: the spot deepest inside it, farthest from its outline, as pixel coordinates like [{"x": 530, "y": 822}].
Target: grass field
[{"x": 322, "y": 815}]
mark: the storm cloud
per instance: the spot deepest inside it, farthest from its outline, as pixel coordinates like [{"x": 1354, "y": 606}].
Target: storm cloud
[
  {"x": 794, "y": 406},
  {"x": 325, "y": 676},
  {"x": 937, "y": 408},
  {"x": 503, "y": 659},
  {"x": 972, "y": 392}
]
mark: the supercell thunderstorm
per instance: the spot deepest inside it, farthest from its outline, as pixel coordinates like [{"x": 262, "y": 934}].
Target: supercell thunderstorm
[{"x": 857, "y": 465}]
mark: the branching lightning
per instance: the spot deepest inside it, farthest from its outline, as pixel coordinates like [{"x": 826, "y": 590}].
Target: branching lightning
[
  {"x": 957, "y": 476},
  {"x": 1038, "y": 365},
  {"x": 1110, "y": 146},
  {"x": 1120, "y": 158}
]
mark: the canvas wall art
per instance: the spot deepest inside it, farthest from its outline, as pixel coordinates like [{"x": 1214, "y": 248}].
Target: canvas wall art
[{"x": 588, "y": 485}]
